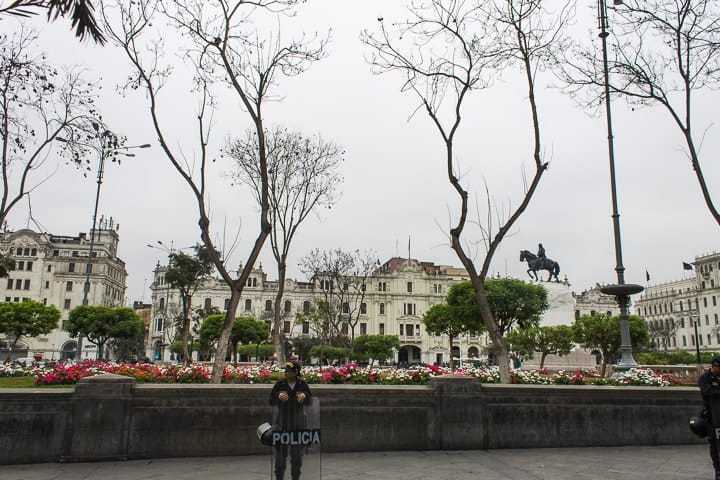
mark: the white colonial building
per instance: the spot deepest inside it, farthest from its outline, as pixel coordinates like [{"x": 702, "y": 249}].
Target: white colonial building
[
  {"x": 683, "y": 314},
  {"x": 52, "y": 269},
  {"x": 397, "y": 296}
]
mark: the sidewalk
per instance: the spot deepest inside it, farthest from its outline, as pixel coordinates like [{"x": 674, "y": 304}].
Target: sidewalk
[{"x": 687, "y": 462}]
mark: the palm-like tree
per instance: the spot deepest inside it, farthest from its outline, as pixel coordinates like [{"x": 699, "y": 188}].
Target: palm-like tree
[{"x": 81, "y": 12}]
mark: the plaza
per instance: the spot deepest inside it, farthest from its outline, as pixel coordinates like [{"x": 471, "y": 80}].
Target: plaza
[{"x": 688, "y": 462}]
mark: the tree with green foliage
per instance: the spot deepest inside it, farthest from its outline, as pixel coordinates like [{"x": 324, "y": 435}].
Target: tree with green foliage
[
  {"x": 302, "y": 347},
  {"x": 328, "y": 352},
  {"x": 259, "y": 350},
  {"x": 26, "y": 319},
  {"x": 100, "y": 323},
  {"x": 456, "y": 317},
  {"x": 130, "y": 348},
  {"x": 602, "y": 332},
  {"x": 187, "y": 273},
  {"x": 515, "y": 302},
  {"x": 246, "y": 330},
  {"x": 548, "y": 340},
  {"x": 376, "y": 347}
]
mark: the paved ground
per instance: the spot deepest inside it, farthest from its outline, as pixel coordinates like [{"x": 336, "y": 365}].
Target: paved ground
[{"x": 628, "y": 463}]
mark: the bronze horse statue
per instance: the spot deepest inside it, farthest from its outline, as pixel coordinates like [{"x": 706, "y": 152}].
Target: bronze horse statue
[{"x": 535, "y": 263}]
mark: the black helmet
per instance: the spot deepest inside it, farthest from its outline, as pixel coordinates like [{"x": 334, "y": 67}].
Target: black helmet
[{"x": 698, "y": 426}]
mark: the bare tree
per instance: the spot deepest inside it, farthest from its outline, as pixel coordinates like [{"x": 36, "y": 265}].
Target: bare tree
[
  {"x": 303, "y": 176},
  {"x": 448, "y": 49},
  {"x": 662, "y": 332},
  {"x": 343, "y": 280},
  {"x": 665, "y": 52},
  {"x": 228, "y": 51},
  {"x": 39, "y": 105}
]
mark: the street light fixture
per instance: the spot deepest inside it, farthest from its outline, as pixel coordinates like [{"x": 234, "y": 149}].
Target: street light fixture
[
  {"x": 108, "y": 149},
  {"x": 621, "y": 290}
]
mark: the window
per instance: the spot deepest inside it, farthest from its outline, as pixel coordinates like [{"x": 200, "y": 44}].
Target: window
[
  {"x": 66, "y": 306},
  {"x": 325, "y": 284},
  {"x": 71, "y": 267},
  {"x": 409, "y": 330},
  {"x": 684, "y": 341},
  {"x": 7, "y": 299},
  {"x": 33, "y": 252},
  {"x": 29, "y": 265},
  {"x": 417, "y": 329},
  {"x": 363, "y": 329},
  {"x": 363, "y": 308},
  {"x": 47, "y": 283},
  {"x": 345, "y": 307},
  {"x": 18, "y": 251},
  {"x": 382, "y": 329},
  {"x": 56, "y": 253},
  {"x": 704, "y": 301},
  {"x": 409, "y": 287},
  {"x": 18, "y": 284},
  {"x": 714, "y": 300},
  {"x": 345, "y": 287},
  {"x": 162, "y": 304},
  {"x": 26, "y": 286},
  {"x": 707, "y": 321},
  {"x": 716, "y": 319},
  {"x": 49, "y": 268},
  {"x": 68, "y": 286},
  {"x": 288, "y": 307},
  {"x": 344, "y": 329},
  {"x": 362, "y": 287},
  {"x": 20, "y": 265},
  {"x": 382, "y": 286},
  {"x": 382, "y": 309},
  {"x": 159, "y": 324},
  {"x": 286, "y": 326},
  {"x": 408, "y": 309},
  {"x": 306, "y": 307},
  {"x": 306, "y": 328},
  {"x": 437, "y": 288},
  {"x": 227, "y": 304},
  {"x": 26, "y": 252},
  {"x": 268, "y": 305},
  {"x": 9, "y": 284},
  {"x": 248, "y": 305},
  {"x": 709, "y": 339},
  {"x": 682, "y": 323},
  {"x": 208, "y": 304},
  {"x": 402, "y": 330}
]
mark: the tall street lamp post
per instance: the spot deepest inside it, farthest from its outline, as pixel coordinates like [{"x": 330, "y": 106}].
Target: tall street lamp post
[
  {"x": 621, "y": 290},
  {"x": 107, "y": 150},
  {"x": 695, "y": 321}
]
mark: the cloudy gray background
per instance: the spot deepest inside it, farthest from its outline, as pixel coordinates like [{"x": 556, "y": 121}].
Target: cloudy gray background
[{"x": 395, "y": 184}]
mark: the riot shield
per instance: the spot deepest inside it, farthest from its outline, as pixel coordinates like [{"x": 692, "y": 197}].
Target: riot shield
[
  {"x": 715, "y": 412},
  {"x": 295, "y": 441}
]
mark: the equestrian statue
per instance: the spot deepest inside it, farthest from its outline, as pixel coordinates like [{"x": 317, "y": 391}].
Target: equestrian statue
[{"x": 540, "y": 262}]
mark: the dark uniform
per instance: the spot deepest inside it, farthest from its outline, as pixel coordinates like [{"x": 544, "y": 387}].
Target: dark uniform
[
  {"x": 710, "y": 391},
  {"x": 290, "y": 418}
]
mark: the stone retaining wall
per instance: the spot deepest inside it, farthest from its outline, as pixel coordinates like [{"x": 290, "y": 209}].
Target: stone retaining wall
[{"x": 111, "y": 417}]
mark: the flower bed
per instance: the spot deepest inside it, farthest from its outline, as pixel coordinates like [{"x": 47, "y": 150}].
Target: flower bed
[{"x": 351, "y": 373}]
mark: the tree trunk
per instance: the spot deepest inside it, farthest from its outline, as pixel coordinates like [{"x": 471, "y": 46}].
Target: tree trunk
[
  {"x": 452, "y": 359},
  {"x": 219, "y": 364},
  {"x": 277, "y": 318},
  {"x": 12, "y": 347},
  {"x": 185, "y": 329},
  {"x": 542, "y": 360}
]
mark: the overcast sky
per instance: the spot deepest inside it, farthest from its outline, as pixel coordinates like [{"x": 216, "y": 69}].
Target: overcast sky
[{"x": 395, "y": 185}]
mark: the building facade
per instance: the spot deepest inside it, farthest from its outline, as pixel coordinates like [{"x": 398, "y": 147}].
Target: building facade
[
  {"x": 52, "y": 269},
  {"x": 395, "y": 299},
  {"x": 684, "y": 314}
]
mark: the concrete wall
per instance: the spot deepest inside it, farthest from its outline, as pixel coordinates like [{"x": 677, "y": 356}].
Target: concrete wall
[{"x": 110, "y": 417}]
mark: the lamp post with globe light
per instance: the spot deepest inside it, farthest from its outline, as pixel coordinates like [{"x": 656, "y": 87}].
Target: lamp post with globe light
[{"x": 621, "y": 290}]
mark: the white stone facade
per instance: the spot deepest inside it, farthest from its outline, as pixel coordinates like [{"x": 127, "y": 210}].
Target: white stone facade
[{"x": 52, "y": 269}]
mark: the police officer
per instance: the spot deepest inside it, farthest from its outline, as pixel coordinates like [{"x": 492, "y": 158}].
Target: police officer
[
  {"x": 710, "y": 389},
  {"x": 289, "y": 395}
]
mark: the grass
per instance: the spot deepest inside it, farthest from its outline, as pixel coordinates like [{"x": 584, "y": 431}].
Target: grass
[{"x": 27, "y": 381}]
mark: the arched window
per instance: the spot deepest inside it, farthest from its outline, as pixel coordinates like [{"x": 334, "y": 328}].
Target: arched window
[
  {"x": 208, "y": 304},
  {"x": 288, "y": 306},
  {"x": 162, "y": 304},
  {"x": 382, "y": 309},
  {"x": 248, "y": 305},
  {"x": 18, "y": 251},
  {"x": 363, "y": 308},
  {"x": 33, "y": 252}
]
